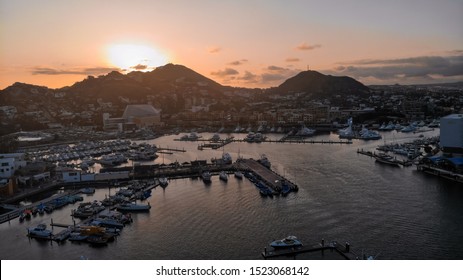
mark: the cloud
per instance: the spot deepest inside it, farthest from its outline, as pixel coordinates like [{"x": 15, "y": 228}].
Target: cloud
[
  {"x": 306, "y": 47},
  {"x": 238, "y": 62},
  {"x": 420, "y": 68},
  {"x": 214, "y": 49},
  {"x": 275, "y": 68},
  {"x": 224, "y": 73},
  {"x": 139, "y": 67},
  {"x": 274, "y": 73},
  {"x": 292, "y": 59},
  {"x": 72, "y": 71},
  {"x": 249, "y": 77}
]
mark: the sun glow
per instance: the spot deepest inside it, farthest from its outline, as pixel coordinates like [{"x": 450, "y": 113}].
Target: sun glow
[{"x": 135, "y": 57}]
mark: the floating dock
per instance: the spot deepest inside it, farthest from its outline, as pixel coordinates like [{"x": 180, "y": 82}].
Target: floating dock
[
  {"x": 376, "y": 156},
  {"x": 344, "y": 250},
  {"x": 207, "y": 143},
  {"x": 270, "y": 178}
]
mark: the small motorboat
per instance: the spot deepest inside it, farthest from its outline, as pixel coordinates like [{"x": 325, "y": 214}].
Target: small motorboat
[
  {"x": 40, "y": 231},
  {"x": 238, "y": 175},
  {"x": 133, "y": 207},
  {"x": 223, "y": 176},
  {"x": 288, "y": 242},
  {"x": 163, "y": 182}
]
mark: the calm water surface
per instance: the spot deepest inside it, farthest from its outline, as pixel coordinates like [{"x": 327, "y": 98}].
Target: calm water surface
[{"x": 395, "y": 213}]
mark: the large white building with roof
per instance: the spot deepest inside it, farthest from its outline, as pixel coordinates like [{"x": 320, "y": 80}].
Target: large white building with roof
[
  {"x": 143, "y": 115},
  {"x": 451, "y": 133}
]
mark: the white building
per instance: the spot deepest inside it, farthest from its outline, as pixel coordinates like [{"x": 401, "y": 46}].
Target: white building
[
  {"x": 451, "y": 133},
  {"x": 9, "y": 163}
]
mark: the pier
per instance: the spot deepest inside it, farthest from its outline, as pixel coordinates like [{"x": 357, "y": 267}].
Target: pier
[
  {"x": 378, "y": 157},
  {"x": 270, "y": 178},
  {"x": 194, "y": 169},
  {"x": 439, "y": 172},
  {"x": 343, "y": 250},
  {"x": 207, "y": 143}
]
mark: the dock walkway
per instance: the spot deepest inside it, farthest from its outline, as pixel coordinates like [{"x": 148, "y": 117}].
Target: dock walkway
[
  {"x": 344, "y": 250},
  {"x": 270, "y": 178}
]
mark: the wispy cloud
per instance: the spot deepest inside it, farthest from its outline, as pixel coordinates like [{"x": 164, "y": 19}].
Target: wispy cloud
[
  {"x": 214, "y": 49},
  {"x": 292, "y": 59},
  {"x": 249, "y": 77},
  {"x": 274, "y": 74},
  {"x": 421, "y": 68},
  {"x": 72, "y": 71},
  {"x": 225, "y": 73},
  {"x": 238, "y": 62},
  {"x": 139, "y": 67},
  {"x": 306, "y": 47}
]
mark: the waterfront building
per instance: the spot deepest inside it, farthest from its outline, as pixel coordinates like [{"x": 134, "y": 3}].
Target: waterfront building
[
  {"x": 9, "y": 163},
  {"x": 143, "y": 115},
  {"x": 135, "y": 116},
  {"x": 451, "y": 133}
]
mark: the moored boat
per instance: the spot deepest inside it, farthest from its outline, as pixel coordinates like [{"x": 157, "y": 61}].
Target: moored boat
[
  {"x": 40, "y": 232},
  {"x": 133, "y": 207},
  {"x": 206, "y": 176},
  {"x": 163, "y": 182},
  {"x": 223, "y": 176},
  {"x": 288, "y": 242},
  {"x": 387, "y": 159},
  {"x": 238, "y": 175}
]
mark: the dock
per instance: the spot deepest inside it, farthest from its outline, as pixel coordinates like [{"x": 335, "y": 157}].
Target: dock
[
  {"x": 270, "y": 178},
  {"x": 376, "y": 156},
  {"x": 169, "y": 150},
  {"x": 439, "y": 172},
  {"x": 343, "y": 250},
  {"x": 217, "y": 144},
  {"x": 207, "y": 143}
]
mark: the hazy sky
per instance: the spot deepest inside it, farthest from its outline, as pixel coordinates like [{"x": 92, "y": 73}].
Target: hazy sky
[{"x": 241, "y": 42}]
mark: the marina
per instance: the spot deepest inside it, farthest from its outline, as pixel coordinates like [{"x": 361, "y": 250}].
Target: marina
[{"x": 191, "y": 201}]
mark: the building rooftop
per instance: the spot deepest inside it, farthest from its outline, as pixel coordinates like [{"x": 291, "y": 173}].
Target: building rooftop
[
  {"x": 453, "y": 116},
  {"x": 143, "y": 110}
]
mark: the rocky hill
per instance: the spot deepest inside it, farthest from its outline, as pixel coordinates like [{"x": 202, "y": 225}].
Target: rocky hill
[{"x": 319, "y": 85}]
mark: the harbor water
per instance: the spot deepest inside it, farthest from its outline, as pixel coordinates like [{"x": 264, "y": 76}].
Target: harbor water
[{"x": 383, "y": 211}]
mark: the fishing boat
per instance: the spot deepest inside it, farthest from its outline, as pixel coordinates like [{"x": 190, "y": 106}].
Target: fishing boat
[
  {"x": 133, "y": 207},
  {"x": 288, "y": 242}
]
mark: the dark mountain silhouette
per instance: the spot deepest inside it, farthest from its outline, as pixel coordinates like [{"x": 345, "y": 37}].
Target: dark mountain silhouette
[
  {"x": 177, "y": 79},
  {"x": 317, "y": 84},
  {"x": 172, "y": 76}
]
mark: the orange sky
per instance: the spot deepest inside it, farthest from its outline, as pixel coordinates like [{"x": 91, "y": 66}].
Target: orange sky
[{"x": 240, "y": 43}]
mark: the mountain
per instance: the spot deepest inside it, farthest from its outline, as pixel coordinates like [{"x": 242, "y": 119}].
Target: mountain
[
  {"x": 171, "y": 76},
  {"x": 174, "y": 79},
  {"x": 318, "y": 85}
]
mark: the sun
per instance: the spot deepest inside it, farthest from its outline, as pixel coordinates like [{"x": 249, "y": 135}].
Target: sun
[{"x": 132, "y": 57}]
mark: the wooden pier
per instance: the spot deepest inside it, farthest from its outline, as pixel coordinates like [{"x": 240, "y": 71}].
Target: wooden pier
[
  {"x": 376, "y": 156},
  {"x": 283, "y": 140},
  {"x": 439, "y": 172},
  {"x": 343, "y": 250},
  {"x": 270, "y": 178},
  {"x": 169, "y": 150}
]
